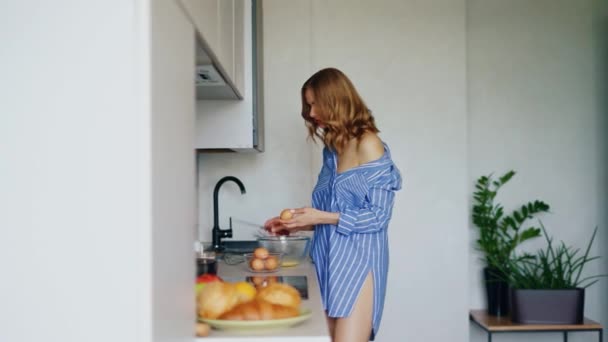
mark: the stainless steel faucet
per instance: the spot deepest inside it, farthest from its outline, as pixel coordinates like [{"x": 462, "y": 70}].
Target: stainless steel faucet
[{"x": 217, "y": 233}]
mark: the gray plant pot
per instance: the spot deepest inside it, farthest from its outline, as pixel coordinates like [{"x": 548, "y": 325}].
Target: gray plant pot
[{"x": 548, "y": 306}]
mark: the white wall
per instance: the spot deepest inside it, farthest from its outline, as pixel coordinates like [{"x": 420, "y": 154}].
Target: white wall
[
  {"x": 87, "y": 125},
  {"x": 534, "y": 107},
  {"x": 71, "y": 136},
  {"x": 600, "y": 24},
  {"x": 173, "y": 172},
  {"x": 407, "y": 59}
]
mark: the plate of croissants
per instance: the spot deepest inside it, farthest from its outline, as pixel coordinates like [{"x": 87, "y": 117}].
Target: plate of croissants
[{"x": 243, "y": 306}]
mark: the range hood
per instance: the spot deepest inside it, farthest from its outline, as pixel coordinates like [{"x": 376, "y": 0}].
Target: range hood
[{"x": 210, "y": 82}]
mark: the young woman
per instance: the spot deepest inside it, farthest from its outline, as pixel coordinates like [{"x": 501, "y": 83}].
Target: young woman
[{"x": 351, "y": 206}]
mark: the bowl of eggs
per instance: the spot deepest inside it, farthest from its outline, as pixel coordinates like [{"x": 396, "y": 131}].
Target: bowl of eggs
[
  {"x": 263, "y": 261},
  {"x": 293, "y": 249}
]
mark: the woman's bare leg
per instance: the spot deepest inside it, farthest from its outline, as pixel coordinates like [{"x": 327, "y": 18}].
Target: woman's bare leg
[{"x": 358, "y": 326}]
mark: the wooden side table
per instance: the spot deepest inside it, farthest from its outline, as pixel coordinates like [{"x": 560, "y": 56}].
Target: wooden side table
[{"x": 493, "y": 325}]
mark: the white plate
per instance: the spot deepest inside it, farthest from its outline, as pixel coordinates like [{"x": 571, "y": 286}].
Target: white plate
[{"x": 270, "y": 324}]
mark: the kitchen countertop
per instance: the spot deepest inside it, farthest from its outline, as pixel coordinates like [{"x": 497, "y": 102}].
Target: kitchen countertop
[{"x": 311, "y": 330}]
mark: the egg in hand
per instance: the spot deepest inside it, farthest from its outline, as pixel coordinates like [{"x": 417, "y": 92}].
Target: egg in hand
[{"x": 286, "y": 214}]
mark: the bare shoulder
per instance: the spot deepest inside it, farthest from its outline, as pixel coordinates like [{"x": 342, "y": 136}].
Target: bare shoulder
[{"x": 370, "y": 148}]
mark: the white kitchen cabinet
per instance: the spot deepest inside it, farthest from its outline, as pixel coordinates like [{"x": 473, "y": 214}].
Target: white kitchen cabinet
[
  {"x": 225, "y": 48},
  {"x": 238, "y": 125},
  {"x": 239, "y": 44},
  {"x": 219, "y": 25}
]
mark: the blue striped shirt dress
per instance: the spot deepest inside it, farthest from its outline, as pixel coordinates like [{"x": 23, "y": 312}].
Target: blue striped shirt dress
[{"x": 344, "y": 254}]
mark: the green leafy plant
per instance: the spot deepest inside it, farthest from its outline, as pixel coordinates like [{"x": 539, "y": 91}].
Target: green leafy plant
[
  {"x": 500, "y": 233},
  {"x": 555, "y": 267}
]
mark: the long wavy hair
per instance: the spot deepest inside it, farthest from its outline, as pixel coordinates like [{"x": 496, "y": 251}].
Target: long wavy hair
[{"x": 345, "y": 115}]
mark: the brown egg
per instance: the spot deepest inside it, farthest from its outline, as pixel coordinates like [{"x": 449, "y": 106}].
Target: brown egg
[
  {"x": 257, "y": 280},
  {"x": 257, "y": 264},
  {"x": 271, "y": 263},
  {"x": 286, "y": 214},
  {"x": 261, "y": 253},
  {"x": 202, "y": 329}
]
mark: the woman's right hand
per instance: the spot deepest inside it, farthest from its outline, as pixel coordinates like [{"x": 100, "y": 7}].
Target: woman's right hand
[{"x": 274, "y": 225}]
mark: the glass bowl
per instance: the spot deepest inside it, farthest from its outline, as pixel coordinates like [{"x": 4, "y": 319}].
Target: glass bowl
[
  {"x": 293, "y": 248},
  {"x": 268, "y": 265}
]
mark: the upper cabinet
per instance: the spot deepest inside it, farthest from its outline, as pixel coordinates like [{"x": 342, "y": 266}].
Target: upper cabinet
[
  {"x": 229, "y": 69},
  {"x": 220, "y": 53}
]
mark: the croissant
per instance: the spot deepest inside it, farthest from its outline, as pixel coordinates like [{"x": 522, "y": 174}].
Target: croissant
[
  {"x": 216, "y": 298},
  {"x": 259, "y": 310},
  {"x": 281, "y": 294}
]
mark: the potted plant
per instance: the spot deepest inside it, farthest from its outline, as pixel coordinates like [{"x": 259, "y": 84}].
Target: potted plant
[
  {"x": 547, "y": 288},
  {"x": 499, "y": 235}
]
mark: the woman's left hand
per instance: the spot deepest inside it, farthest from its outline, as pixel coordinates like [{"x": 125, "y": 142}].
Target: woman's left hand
[{"x": 303, "y": 219}]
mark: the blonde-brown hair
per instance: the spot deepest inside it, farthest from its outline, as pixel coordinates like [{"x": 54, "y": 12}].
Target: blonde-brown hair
[{"x": 345, "y": 114}]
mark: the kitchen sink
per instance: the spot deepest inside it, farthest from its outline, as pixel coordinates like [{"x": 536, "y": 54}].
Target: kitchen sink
[{"x": 239, "y": 246}]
